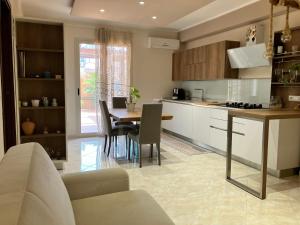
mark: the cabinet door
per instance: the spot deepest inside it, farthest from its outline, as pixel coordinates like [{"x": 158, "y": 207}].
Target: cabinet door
[
  {"x": 199, "y": 63},
  {"x": 215, "y": 61},
  {"x": 249, "y": 145},
  {"x": 200, "y": 125},
  {"x": 182, "y": 118},
  {"x": 176, "y": 66}
]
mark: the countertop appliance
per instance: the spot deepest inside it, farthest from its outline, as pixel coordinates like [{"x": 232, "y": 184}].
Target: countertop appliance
[
  {"x": 178, "y": 94},
  {"x": 243, "y": 105}
]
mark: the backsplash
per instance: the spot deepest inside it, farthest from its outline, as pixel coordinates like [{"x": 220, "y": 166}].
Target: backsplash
[{"x": 240, "y": 90}]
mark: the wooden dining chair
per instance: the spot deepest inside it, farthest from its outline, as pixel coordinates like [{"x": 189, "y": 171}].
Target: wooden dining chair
[
  {"x": 119, "y": 102},
  {"x": 110, "y": 130},
  {"x": 149, "y": 130}
]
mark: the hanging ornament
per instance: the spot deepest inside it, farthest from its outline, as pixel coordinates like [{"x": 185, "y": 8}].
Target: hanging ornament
[
  {"x": 269, "y": 50},
  {"x": 286, "y": 33}
]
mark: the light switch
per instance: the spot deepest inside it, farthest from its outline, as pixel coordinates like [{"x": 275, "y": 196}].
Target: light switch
[{"x": 294, "y": 98}]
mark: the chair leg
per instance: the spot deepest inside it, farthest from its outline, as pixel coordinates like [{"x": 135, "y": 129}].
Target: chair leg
[
  {"x": 129, "y": 148},
  {"x": 158, "y": 153},
  {"x": 109, "y": 145},
  {"x": 105, "y": 143},
  {"x": 133, "y": 147},
  {"x": 140, "y": 155},
  {"x": 151, "y": 151},
  {"x": 116, "y": 141}
]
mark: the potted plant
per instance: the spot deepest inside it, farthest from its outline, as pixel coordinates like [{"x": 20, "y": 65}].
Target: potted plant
[{"x": 134, "y": 95}]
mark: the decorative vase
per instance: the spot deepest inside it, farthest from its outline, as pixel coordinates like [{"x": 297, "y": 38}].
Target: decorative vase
[
  {"x": 45, "y": 101},
  {"x": 130, "y": 107},
  {"x": 54, "y": 102},
  {"x": 28, "y": 127}
]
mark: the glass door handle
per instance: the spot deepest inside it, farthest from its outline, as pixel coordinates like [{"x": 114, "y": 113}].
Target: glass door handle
[{"x": 78, "y": 91}]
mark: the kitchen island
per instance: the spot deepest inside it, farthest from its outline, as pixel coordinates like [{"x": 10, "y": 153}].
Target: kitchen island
[
  {"x": 205, "y": 124},
  {"x": 263, "y": 115}
]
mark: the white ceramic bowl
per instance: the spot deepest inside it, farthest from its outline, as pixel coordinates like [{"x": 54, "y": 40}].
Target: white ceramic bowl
[
  {"x": 25, "y": 104},
  {"x": 35, "y": 103}
]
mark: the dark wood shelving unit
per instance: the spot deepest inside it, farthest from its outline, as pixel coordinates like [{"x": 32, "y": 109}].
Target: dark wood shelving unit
[
  {"x": 40, "y": 79},
  {"x": 287, "y": 55},
  {"x": 284, "y": 61},
  {"x": 40, "y": 50},
  {"x": 51, "y": 135},
  {"x": 43, "y": 108}
]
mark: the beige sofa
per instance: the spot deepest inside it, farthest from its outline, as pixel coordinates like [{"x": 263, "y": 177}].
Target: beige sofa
[{"x": 32, "y": 192}]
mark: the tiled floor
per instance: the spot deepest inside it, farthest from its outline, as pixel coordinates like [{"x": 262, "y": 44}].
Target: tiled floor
[{"x": 190, "y": 185}]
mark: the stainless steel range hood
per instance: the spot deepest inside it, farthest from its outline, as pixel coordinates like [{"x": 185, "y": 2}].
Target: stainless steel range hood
[{"x": 248, "y": 57}]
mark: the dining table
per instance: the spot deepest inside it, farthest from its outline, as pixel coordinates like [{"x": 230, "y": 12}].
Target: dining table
[{"x": 122, "y": 115}]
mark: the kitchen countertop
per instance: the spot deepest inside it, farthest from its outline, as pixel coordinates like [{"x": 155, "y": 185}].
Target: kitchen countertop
[
  {"x": 271, "y": 114},
  {"x": 212, "y": 104}
]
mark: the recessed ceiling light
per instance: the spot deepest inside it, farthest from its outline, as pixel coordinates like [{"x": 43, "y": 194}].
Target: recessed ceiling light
[
  {"x": 154, "y": 17},
  {"x": 102, "y": 10},
  {"x": 141, "y": 2}
]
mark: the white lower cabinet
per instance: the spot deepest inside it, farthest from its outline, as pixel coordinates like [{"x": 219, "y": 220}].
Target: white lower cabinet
[
  {"x": 208, "y": 126},
  {"x": 247, "y": 139},
  {"x": 218, "y": 128},
  {"x": 182, "y": 118},
  {"x": 200, "y": 125}
]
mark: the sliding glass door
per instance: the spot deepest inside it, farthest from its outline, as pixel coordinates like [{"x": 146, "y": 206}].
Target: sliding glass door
[
  {"x": 89, "y": 67},
  {"x": 104, "y": 73}
]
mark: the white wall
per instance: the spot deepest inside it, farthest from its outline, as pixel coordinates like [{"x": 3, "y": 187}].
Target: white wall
[{"x": 151, "y": 68}]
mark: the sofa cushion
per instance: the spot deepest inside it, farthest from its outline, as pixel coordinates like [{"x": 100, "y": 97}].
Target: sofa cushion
[
  {"x": 126, "y": 208},
  {"x": 31, "y": 189}
]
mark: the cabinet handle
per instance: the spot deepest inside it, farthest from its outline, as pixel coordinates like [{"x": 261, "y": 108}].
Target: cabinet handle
[
  {"x": 217, "y": 128},
  {"x": 238, "y": 133},
  {"x": 234, "y": 132}
]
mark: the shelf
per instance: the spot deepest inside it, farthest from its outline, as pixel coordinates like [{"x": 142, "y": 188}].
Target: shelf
[
  {"x": 42, "y": 108},
  {"x": 287, "y": 55},
  {"x": 39, "y": 79},
  {"x": 297, "y": 84},
  {"x": 50, "y": 135},
  {"x": 41, "y": 50}
]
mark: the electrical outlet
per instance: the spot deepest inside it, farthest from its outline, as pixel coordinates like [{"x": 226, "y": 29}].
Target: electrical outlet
[{"x": 294, "y": 98}]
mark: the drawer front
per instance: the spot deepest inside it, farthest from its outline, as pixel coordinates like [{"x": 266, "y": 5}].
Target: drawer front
[
  {"x": 218, "y": 123},
  {"x": 218, "y": 138},
  {"x": 219, "y": 114},
  {"x": 238, "y": 126}
]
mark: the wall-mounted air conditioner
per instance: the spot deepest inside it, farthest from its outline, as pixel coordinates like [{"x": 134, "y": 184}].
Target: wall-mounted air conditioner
[{"x": 163, "y": 43}]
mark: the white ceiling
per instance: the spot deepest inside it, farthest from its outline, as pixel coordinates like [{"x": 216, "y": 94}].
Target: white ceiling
[
  {"x": 209, "y": 12},
  {"x": 174, "y": 14},
  {"x": 131, "y": 12}
]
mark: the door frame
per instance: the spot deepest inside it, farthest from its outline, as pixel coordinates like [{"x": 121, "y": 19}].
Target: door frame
[
  {"x": 79, "y": 41},
  {"x": 7, "y": 82}
]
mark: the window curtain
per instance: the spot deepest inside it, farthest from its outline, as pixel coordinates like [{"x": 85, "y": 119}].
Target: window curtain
[{"x": 113, "y": 73}]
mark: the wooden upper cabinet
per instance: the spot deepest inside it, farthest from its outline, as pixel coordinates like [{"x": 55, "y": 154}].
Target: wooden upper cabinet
[{"x": 208, "y": 62}]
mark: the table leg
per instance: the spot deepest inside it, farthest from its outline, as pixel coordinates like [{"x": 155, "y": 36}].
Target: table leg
[
  {"x": 229, "y": 146},
  {"x": 264, "y": 161}
]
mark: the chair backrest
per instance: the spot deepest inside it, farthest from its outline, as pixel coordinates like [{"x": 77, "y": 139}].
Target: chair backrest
[
  {"x": 150, "y": 127},
  {"x": 107, "y": 128},
  {"x": 119, "y": 102}
]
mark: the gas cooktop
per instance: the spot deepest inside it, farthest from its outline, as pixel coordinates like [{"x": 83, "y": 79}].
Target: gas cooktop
[{"x": 242, "y": 105}]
